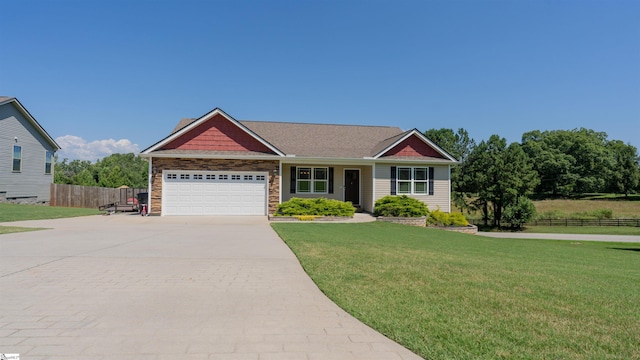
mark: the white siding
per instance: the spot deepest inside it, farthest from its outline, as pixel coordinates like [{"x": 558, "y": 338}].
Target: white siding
[
  {"x": 338, "y": 184},
  {"x": 366, "y": 181},
  {"x": 440, "y": 197},
  {"x": 32, "y": 180}
]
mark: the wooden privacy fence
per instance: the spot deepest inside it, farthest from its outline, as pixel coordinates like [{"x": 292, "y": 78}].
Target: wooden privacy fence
[
  {"x": 90, "y": 196},
  {"x": 575, "y": 222}
]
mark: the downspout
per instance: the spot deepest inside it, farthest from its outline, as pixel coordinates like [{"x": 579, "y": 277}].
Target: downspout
[
  {"x": 373, "y": 187},
  {"x": 150, "y": 184},
  {"x": 449, "y": 178},
  {"x": 280, "y": 182}
]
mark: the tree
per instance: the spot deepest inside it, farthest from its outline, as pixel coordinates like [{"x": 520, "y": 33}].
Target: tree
[
  {"x": 112, "y": 171},
  {"x": 569, "y": 161},
  {"x": 495, "y": 176},
  {"x": 625, "y": 174},
  {"x": 458, "y": 144}
]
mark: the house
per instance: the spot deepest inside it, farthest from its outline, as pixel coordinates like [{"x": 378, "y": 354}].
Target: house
[
  {"x": 26, "y": 164},
  {"x": 217, "y": 165}
]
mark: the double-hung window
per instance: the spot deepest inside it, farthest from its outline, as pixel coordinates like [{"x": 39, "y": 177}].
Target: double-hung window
[
  {"x": 412, "y": 180},
  {"x": 48, "y": 159},
  {"x": 17, "y": 158},
  {"x": 312, "y": 180}
]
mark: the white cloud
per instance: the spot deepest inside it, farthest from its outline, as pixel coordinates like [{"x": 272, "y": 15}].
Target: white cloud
[{"x": 77, "y": 148}]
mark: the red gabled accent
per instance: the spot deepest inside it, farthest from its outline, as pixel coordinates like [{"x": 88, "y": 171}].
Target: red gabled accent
[
  {"x": 218, "y": 134},
  {"x": 413, "y": 146}
]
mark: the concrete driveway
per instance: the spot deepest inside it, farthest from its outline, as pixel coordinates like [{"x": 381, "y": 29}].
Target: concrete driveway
[{"x": 131, "y": 287}]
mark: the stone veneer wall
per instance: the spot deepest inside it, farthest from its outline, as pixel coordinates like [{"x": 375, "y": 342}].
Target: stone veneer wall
[
  {"x": 213, "y": 165},
  {"x": 413, "y": 221}
]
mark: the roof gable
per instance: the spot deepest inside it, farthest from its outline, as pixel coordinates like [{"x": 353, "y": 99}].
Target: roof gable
[
  {"x": 412, "y": 144},
  {"x": 217, "y": 134},
  {"x": 5, "y": 100},
  {"x": 215, "y": 131}
]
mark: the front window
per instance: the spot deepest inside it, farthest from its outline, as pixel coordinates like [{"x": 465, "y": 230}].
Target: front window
[
  {"x": 312, "y": 180},
  {"x": 412, "y": 180},
  {"x": 47, "y": 162},
  {"x": 17, "y": 158}
]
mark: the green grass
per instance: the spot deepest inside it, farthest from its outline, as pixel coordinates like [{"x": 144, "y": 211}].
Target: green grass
[
  {"x": 620, "y": 206},
  {"x": 446, "y": 295},
  {"x": 15, "y": 229},
  {"x": 596, "y": 230},
  {"x": 14, "y": 212}
]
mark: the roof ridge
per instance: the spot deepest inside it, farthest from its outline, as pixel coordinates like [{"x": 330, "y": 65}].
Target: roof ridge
[{"x": 319, "y": 124}]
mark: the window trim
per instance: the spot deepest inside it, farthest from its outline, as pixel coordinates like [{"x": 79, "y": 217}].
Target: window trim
[
  {"x": 412, "y": 180},
  {"x": 13, "y": 159},
  {"x": 312, "y": 180}
]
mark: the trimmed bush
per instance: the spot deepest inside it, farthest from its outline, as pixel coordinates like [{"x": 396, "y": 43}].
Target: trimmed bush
[
  {"x": 439, "y": 218},
  {"x": 315, "y": 207},
  {"x": 400, "y": 206}
]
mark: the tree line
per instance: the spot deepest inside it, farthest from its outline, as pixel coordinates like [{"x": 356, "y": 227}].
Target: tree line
[
  {"x": 112, "y": 171},
  {"x": 499, "y": 179}
]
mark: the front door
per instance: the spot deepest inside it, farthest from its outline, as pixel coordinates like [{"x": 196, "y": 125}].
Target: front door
[{"x": 352, "y": 186}]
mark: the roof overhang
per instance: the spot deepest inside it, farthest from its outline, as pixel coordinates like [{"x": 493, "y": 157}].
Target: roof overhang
[
  {"x": 33, "y": 121},
  {"x": 217, "y": 111},
  {"x": 448, "y": 157}
]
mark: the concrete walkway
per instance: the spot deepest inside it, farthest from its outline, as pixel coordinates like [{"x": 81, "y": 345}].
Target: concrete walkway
[
  {"x": 572, "y": 237},
  {"x": 131, "y": 287}
]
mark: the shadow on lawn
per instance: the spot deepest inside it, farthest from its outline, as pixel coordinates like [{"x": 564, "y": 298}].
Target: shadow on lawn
[{"x": 627, "y": 249}]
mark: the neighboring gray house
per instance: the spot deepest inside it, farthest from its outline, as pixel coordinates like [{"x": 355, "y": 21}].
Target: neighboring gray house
[{"x": 26, "y": 155}]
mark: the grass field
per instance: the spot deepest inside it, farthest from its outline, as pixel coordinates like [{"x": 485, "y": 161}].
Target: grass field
[
  {"x": 455, "y": 296},
  {"x": 14, "y": 212},
  {"x": 620, "y": 206}
]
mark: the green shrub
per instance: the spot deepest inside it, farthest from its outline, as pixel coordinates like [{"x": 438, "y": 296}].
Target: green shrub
[
  {"x": 315, "y": 206},
  {"x": 400, "y": 206},
  {"x": 439, "y": 218},
  {"x": 458, "y": 219},
  {"x": 520, "y": 212}
]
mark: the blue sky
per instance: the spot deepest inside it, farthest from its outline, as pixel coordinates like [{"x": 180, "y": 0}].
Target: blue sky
[{"x": 116, "y": 76}]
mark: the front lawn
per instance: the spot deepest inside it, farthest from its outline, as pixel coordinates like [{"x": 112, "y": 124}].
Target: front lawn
[
  {"x": 454, "y": 296},
  {"x": 16, "y": 212}
]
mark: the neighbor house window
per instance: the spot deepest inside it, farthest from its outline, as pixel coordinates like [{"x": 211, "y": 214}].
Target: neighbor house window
[
  {"x": 17, "y": 158},
  {"x": 48, "y": 158},
  {"x": 412, "y": 180},
  {"x": 312, "y": 180}
]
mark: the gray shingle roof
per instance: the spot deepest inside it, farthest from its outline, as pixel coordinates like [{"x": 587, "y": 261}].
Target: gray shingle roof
[{"x": 322, "y": 140}]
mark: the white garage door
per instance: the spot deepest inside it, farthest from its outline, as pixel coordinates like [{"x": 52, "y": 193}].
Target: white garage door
[{"x": 214, "y": 193}]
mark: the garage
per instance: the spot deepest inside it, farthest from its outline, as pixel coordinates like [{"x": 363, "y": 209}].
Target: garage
[{"x": 214, "y": 193}]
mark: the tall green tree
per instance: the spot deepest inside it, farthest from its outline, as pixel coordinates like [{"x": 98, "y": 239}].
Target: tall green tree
[
  {"x": 569, "y": 161},
  {"x": 625, "y": 174},
  {"x": 496, "y": 175}
]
